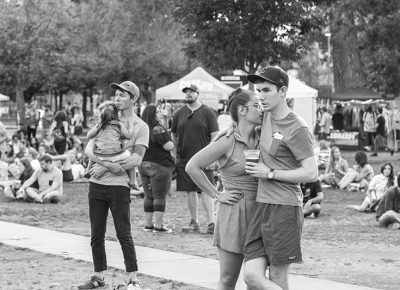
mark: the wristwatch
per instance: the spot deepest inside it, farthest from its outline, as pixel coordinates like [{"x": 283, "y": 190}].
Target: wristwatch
[{"x": 270, "y": 174}]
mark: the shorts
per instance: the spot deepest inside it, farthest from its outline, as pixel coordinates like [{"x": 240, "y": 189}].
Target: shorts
[
  {"x": 275, "y": 233},
  {"x": 67, "y": 175},
  {"x": 185, "y": 183}
]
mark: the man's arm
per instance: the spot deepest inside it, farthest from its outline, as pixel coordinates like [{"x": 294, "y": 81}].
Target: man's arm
[
  {"x": 306, "y": 173},
  {"x": 102, "y": 166},
  {"x": 135, "y": 159},
  {"x": 174, "y": 138},
  {"x": 30, "y": 180}
]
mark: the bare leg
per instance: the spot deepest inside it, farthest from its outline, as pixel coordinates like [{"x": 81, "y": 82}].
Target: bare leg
[
  {"x": 158, "y": 219},
  {"x": 229, "y": 265},
  {"x": 254, "y": 275},
  {"x": 280, "y": 275},
  {"x": 347, "y": 179},
  {"x": 149, "y": 218},
  {"x": 192, "y": 204}
]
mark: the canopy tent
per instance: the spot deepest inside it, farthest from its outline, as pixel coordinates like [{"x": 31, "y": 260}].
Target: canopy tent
[
  {"x": 4, "y": 98},
  {"x": 355, "y": 94},
  {"x": 211, "y": 89},
  {"x": 302, "y": 99}
]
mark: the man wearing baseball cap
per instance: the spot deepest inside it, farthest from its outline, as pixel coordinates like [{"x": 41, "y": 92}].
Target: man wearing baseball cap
[
  {"x": 286, "y": 145},
  {"x": 109, "y": 189},
  {"x": 193, "y": 127}
]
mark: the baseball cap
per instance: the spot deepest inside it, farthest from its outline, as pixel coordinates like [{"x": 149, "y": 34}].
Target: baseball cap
[
  {"x": 127, "y": 86},
  {"x": 192, "y": 87},
  {"x": 272, "y": 74}
]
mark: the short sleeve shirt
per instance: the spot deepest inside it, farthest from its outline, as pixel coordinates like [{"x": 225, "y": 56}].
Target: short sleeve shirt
[
  {"x": 140, "y": 137},
  {"x": 193, "y": 130},
  {"x": 310, "y": 190},
  {"x": 156, "y": 153},
  {"x": 46, "y": 179},
  {"x": 283, "y": 144}
]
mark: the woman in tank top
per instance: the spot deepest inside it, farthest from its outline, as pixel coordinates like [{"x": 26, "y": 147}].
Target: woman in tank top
[{"x": 235, "y": 203}]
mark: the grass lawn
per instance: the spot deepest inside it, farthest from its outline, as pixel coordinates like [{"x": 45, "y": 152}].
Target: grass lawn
[{"x": 340, "y": 245}]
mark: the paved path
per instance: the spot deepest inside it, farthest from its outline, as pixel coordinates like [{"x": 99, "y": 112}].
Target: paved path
[{"x": 189, "y": 269}]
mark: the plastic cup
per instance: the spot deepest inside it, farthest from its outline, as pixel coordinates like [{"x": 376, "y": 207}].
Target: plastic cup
[{"x": 252, "y": 155}]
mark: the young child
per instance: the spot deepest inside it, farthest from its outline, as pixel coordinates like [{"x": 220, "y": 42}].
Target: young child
[{"x": 108, "y": 136}]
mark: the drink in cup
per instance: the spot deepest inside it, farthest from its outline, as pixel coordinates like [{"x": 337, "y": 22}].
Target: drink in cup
[{"x": 252, "y": 155}]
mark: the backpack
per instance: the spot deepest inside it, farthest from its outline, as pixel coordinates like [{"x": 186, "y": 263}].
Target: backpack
[{"x": 59, "y": 134}]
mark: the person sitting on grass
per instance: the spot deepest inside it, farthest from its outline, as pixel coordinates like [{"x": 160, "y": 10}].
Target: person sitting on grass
[
  {"x": 388, "y": 211},
  {"x": 23, "y": 173},
  {"x": 360, "y": 176},
  {"x": 108, "y": 135},
  {"x": 377, "y": 188},
  {"x": 323, "y": 153},
  {"x": 312, "y": 198},
  {"x": 335, "y": 170},
  {"x": 49, "y": 179}
]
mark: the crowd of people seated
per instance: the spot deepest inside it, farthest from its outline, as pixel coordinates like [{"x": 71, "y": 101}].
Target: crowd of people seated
[{"x": 34, "y": 170}]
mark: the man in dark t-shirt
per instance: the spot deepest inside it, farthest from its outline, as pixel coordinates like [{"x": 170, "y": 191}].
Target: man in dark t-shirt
[
  {"x": 380, "y": 140},
  {"x": 193, "y": 127},
  {"x": 312, "y": 198}
]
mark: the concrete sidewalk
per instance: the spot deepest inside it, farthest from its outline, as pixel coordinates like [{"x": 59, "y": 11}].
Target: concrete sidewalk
[{"x": 189, "y": 269}]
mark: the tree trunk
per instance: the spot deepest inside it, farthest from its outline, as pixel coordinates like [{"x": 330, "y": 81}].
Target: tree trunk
[
  {"x": 84, "y": 102},
  {"x": 347, "y": 66},
  {"x": 60, "y": 101},
  {"x": 20, "y": 107}
]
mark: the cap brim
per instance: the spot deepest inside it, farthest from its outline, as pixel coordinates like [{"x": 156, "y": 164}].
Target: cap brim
[
  {"x": 115, "y": 86},
  {"x": 257, "y": 78},
  {"x": 184, "y": 89}
]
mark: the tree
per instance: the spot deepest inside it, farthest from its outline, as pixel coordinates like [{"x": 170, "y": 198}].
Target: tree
[
  {"x": 365, "y": 43},
  {"x": 32, "y": 40},
  {"x": 244, "y": 34}
]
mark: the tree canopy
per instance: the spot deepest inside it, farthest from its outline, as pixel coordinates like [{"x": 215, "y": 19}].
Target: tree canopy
[{"x": 244, "y": 34}]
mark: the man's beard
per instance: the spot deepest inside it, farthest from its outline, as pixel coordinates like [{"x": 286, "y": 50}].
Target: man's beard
[
  {"x": 189, "y": 100},
  {"x": 45, "y": 170}
]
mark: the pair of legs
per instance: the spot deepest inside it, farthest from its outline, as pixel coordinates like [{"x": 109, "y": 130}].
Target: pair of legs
[
  {"x": 273, "y": 240},
  {"x": 390, "y": 219},
  {"x": 49, "y": 197},
  {"x": 117, "y": 199},
  {"x": 255, "y": 275},
  {"x": 185, "y": 183},
  {"x": 156, "y": 181},
  {"x": 208, "y": 205},
  {"x": 352, "y": 176}
]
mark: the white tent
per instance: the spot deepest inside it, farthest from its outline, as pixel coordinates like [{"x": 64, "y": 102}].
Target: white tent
[
  {"x": 211, "y": 89},
  {"x": 304, "y": 100},
  {"x": 4, "y": 98}
]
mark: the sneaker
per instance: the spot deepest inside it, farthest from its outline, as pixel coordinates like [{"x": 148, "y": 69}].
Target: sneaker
[
  {"x": 193, "y": 227},
  {"x": 374, "y": 154},
  {"x": 148, "y": 229},
  {"x": 210, "y": 228},
  {"x": 93, "y": 283},
  {"x": 162, "y": 230}
]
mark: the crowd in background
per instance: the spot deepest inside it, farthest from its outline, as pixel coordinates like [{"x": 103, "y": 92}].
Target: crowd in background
[{"x": 60, "y": 135}]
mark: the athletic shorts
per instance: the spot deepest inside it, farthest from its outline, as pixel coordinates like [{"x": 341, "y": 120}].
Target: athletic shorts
[
  {"x": 275, "y": 233},
  {"x": 185, "y": 183}
]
